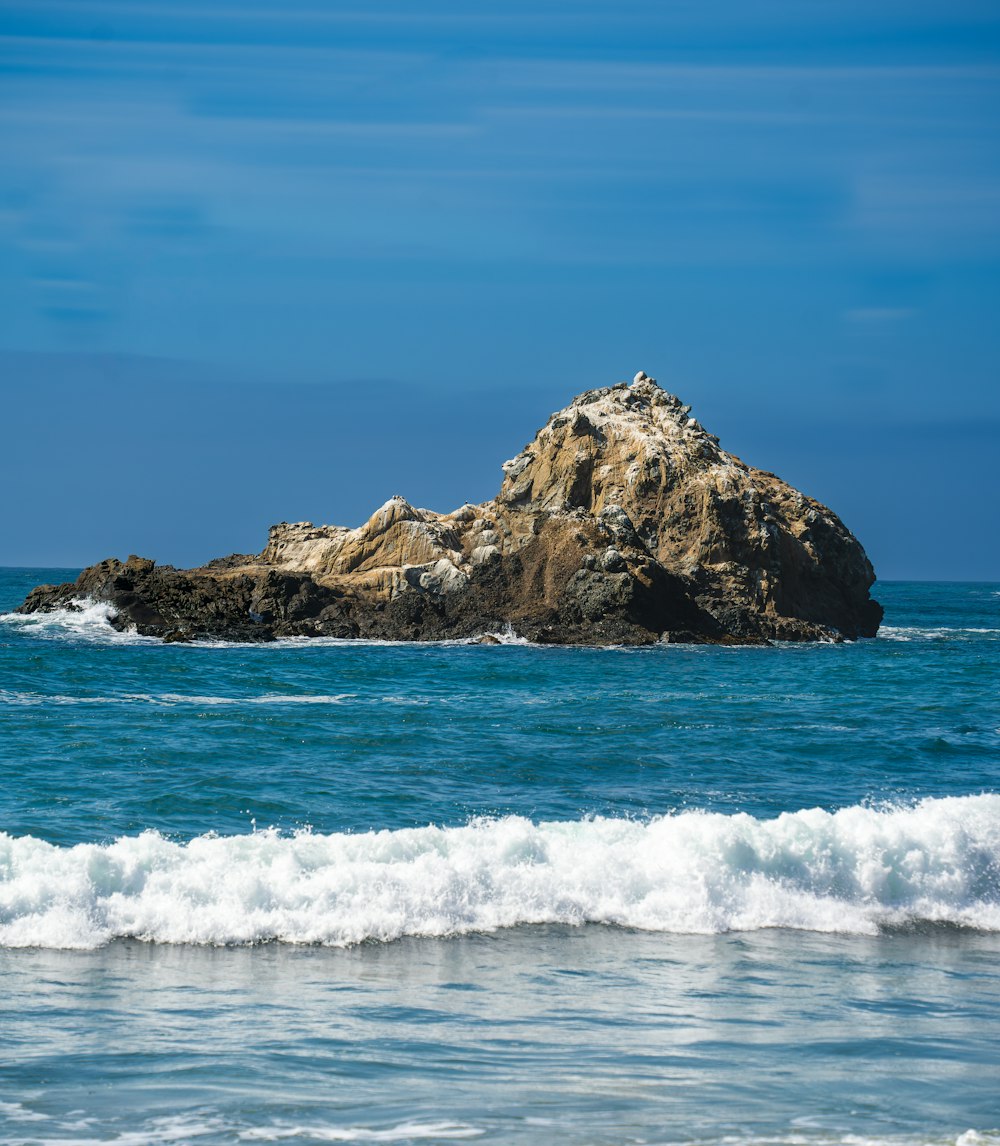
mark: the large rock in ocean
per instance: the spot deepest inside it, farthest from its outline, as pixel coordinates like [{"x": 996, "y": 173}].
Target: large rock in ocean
[{"x": 623, "y": 521}]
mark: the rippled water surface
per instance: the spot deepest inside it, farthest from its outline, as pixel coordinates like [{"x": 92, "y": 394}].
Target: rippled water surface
[{"x": 354, "y": 892}]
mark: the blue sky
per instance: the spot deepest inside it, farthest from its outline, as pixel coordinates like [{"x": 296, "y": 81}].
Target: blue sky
[{"x": 266, "y": 262}]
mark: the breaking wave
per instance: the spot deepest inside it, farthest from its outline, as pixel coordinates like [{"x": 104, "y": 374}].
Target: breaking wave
[
  {"x": 88, "y": 622},
  {"x": 857, "y": 870}
]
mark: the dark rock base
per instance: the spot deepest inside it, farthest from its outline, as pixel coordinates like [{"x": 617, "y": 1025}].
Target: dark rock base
[{"x": 257, "y": 604}]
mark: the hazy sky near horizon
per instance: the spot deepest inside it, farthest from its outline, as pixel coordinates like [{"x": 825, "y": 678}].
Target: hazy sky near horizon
[{"x": 270, "y": 261}]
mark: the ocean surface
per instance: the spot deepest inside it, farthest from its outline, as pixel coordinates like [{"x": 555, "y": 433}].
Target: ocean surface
[{"x": 319, "y": 891}]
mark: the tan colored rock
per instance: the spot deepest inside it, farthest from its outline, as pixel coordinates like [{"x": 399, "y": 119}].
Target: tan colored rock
[{"x": 622, "y": 520}]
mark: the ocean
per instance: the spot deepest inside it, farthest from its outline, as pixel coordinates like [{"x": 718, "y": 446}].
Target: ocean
[{"x": 322, "y": 891}]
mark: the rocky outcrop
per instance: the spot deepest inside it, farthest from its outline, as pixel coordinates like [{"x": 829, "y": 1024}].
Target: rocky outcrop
[{"x": 623, "y": 521}]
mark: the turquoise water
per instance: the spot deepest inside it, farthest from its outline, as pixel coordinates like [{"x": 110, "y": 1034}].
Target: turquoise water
[{"x": 318, "y": 891}]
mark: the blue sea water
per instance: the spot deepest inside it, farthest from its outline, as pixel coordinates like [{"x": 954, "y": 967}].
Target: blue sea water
[{"x": 326, "y": 891}]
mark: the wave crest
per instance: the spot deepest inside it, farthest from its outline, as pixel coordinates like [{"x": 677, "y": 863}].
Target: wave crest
[{"x": 856, "y": 870}]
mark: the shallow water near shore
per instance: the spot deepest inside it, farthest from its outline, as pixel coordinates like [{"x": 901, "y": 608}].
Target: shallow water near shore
[
  {"x": 541, "y": 1034},
  {"x": 331, "y": 892}
]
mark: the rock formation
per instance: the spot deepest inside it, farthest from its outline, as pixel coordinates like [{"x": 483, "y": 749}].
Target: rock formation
[{"x": 623, "y": 521}]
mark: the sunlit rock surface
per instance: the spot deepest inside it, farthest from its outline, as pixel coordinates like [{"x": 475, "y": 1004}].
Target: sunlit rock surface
[{"x": 622, "y": 521}]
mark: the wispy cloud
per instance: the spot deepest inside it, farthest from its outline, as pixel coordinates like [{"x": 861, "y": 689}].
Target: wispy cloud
[{"x": 278, "y": 156}]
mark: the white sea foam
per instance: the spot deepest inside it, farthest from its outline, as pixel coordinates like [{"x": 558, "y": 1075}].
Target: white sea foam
[
  {"x": 854, "y": 871},
  {"x": 171, "y": 699},
  {"x": 293, "y": 643},
  {"x": 934, "y": 633},
  {"x": 506, "y": 636},
  {"x": 502, "y": 637},
  {"x": 812, "y": 1137},
  {"x": 17, "y": 1112},
  {"x": 405, "y": 1132},
  {"x": 220, "y": 1127},
  {"x": 88, "y": 621},
  {"x": 190, "y": 1127}
]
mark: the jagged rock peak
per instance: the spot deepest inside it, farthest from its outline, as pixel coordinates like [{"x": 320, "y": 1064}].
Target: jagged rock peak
[{"x": 606, "y": 444}]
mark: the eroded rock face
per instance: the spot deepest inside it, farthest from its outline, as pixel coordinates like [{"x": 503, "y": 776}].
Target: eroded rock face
[{"x": 623, "y": 521}]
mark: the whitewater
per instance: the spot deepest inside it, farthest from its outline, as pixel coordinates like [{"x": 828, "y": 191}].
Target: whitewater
[
  {"x": 855, "y": 870},
  {"x": 332, "y": 891}
]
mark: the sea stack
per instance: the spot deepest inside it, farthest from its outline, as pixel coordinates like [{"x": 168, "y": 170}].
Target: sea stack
[{"x": 622, "y": 522}]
